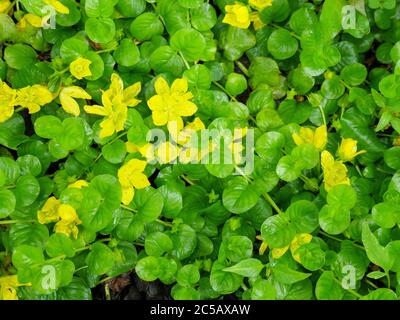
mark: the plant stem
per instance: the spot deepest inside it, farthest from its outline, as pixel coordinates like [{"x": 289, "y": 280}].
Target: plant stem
[
  {"x": 242, "y": 68},
  {"x": 128, "y": 208},
  {"x": 220, "y": 86},
  {"x": 186, "y": 179},
  {"x": 184, "y": 60},
  {"x": 15, "y": 221},
  {"x": 167, "y": 224},
  {"x": 272, "y": 202}
]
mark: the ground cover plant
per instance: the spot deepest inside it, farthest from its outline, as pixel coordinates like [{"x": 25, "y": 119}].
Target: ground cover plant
[{"x": 301, "y": 96}]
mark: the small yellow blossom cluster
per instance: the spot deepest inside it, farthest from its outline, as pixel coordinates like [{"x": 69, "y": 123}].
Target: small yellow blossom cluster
[
  {"x": 116, "y": 101},
  {"x": 30, "y": 97},
  {"x": 8, "y": 287},
  {"x": 64, "y": 215},
  {"x": 33, "y": 19},
  {"x": 241, "y": 16},
  {"x": 335, "y": 172}
]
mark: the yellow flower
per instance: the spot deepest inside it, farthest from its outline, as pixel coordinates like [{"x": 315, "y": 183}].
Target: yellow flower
[
  {"x": 7, "y": 101},
  {"x": 318, "y": 138},
  {"x": 237, "y": 15},
  {"x": 68, "y": 96},
  {"x": 4, "y": 4},
  {"x": 79, "y": 184},
  {"x": 182, "y": 135},
  {"x": 146, "y": 151},
  {"x": 260, "y": 4},
  {"x": 79, "y": 68},
  {"x": 33, "y": 97},
  {"x": 348, "y": 150},
  {"x": 131, "y": 177},
  {"x": 166, "y": 152},
  {"x": 115, "y": 106},
  {"x": 58, "y": 6},
  {"x": 257, "y": 22},
  {"x": 49, "y": 211},
  {"x": 170, "y": 104},
  {"x": 32, "y": 19},
  {"x": 68, "y": 221},
  {"x": 335, "y": 172},
  {"x": 8, "y": 285},
  {"x": 298, "y": 241}
]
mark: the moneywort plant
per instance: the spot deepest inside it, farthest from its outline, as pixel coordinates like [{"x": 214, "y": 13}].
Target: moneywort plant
[{"x": 243, "y": 148}]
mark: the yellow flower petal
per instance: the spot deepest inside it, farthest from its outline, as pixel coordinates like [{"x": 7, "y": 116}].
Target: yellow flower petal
[
  {"x": 95, "y": 109},
  {"x": 49, "y": 211},
  {"x": 237, "y": 15},
  {"x": 298, "y": 241},
  {"x": 131, "y": 93},
  {"x": 260, "y": 4},
  {"x": 127, "y": 195},
  {"x": 161, "y": 86},
  {"x": 166, "y": 152},
  {"x": 279, "y": 252},
  {"x": 58, "y": 6},
  {"x": 79, "y": 68},
  {"x": 78, "y": 184},
  {"x": 68, "y": 103},
  {"x": 180, "y": 86},
  {"x": 348, "y": 150},
  {"x": 320, "y": 137}
]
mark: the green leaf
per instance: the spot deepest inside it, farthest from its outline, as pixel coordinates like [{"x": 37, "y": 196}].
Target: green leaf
[
  {"x": 342, "y": 195},
  {"x": 334, "y": 219},
  {"x": 131, "y": 9},
  {"x": 224, "y": 282},
  {"x": 386, "y": 214},
  {"x": 282, "y": 45},
  {"x": 204, "y": 17},
  {"x": 48, "y": 127},
  {"x": 19, "y": 56},
  {"x": 149, "y": 203},
  {"x": 269, "y": 145},
  {"x": 277, "y": 231},
  {"x": 235, "y": 84},
  {"x": 172, "y": 198},
  {"x": 26, "y": 191},
  {"x": 376, "y": 253},
  {"x": 189, "y": 42},
  {"x": 146, "y": 26},
  {"x": 354, "y": 74},
  {"x": 29, "y": 234},
  {"x": 288, "y": 168},
  {"x": 7, "y": 203},
  {"x": 312, "y": 257},
  {"x": 99, "y": 8},
  {"x": 263, "y": 290},
  {"x": 157, "y": 243},
  {"x": 188, "y": 275},
  {"x": 381, "y": 294},
  {"x": 101, "y": 30},
  {"x": 392, "y": 157},
  {"x": 59, "y": 244},
  {"x": 164, "y": 59},
  {"x": 148, "y": 268},
  {"x": 127, "y": 53},
  {"x": 103, "y": 198},
  {"x": 284, "y": 274},
  {"x": 304, "y": 216},
  {"x": 327, "y": 288},
  {"x": 247, "y": 268},
  {"x": 376, "y": 275},
  {"x": 239, "y": 196},
  {"x": 184, "y": 242},
  {"x": 114, "y": 152},
  {"x": 100, "y": 259},
  {"x": 24, "y": 256}
]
